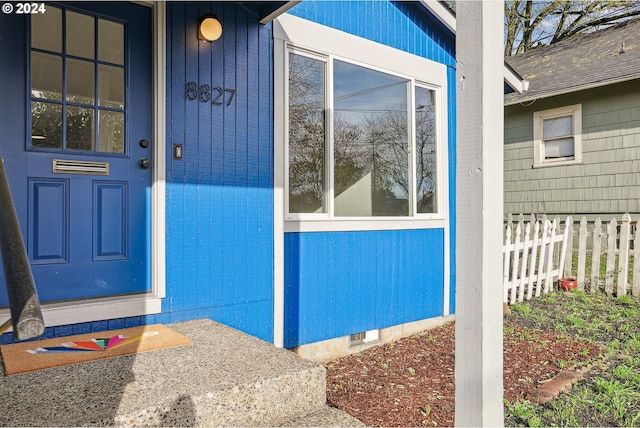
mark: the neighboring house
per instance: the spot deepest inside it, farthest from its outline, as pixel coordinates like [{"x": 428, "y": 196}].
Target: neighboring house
[
  {"x": 294, "y": 179},
  {"x": 572, "y": 142}
]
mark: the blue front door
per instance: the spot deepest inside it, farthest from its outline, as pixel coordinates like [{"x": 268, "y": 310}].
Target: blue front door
[{"x": 76, "y": 112}]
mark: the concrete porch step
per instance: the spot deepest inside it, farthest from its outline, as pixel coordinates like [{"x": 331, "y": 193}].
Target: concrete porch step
[
  {"x": 327, "y": 417},
  {"x": 225, "y": 378}
]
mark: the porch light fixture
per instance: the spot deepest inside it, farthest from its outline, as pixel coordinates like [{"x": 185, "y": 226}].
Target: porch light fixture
[{"x": 209, "y": 28}]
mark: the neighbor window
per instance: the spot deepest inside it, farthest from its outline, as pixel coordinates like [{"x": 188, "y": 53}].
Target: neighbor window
[
  {"x": 557, "y": 135},
  {"x": 362, "y": 142}
]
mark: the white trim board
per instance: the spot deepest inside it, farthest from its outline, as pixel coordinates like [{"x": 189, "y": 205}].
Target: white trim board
[{"x": 298, "y": 33}]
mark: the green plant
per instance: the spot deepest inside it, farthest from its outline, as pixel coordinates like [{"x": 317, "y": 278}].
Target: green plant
[
  {"x": 623, "y": 372},
  {"x": 525, "y": 335},
  {"x": 625, "y": 300},
  {"x": 628, "y": 312},
  {"x": 607, "y": 387},
  {"x": 633, "y": 344},
  {"x": 575, "y": 320},
  {"x": 525, "y": 411},
  {"x": 632, "y": 420},
  {"x": 521, "y": 308},
  {"x": 625, "y": 328},
  {"x": 426, "y": 411}
]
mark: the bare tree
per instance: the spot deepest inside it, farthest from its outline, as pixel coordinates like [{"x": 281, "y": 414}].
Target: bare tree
[
  {"x": 532, "y": 23},
  {"x": 529, "y": 23}
]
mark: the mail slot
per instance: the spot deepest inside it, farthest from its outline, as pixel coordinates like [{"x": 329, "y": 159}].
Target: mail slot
[{"x": 64, "y": 166}]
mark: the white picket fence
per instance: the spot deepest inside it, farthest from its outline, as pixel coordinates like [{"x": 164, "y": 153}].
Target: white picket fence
[{"x": 538, "y": 252}]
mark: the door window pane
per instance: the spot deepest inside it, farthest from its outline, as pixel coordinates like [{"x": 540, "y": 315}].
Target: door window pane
[
  {"x": 307, "y": 135},
  {"x": 426, "y": 160},
  {"x": 80, "y": 128},
  {"x": 46, "y": 125},
  {"x": 46, "y": 30},
  {"x": 111, "y": 132},
  {"x": 46, "y": 76},
  {"x": 88, "y": 85},
  {"x": 110, "y": 42},
  {"x": 111, "y": 86},
  {"x": 80, "y": 81},
  {"x": 80, "y": 35},
  {"x": 371, "y": 142}
]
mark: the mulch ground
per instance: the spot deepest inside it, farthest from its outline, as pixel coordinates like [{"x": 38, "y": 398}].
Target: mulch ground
[{"x": 411, "y": 383}]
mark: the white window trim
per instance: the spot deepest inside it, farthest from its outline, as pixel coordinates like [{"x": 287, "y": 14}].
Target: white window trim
[
  {"x": 291, "y": 32},
  {"x": 105, "y": 308},
  {"x": 538, "y": 144}
]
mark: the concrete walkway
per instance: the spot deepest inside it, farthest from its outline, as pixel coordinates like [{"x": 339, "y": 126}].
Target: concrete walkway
[{"x": 225, "y": 378}]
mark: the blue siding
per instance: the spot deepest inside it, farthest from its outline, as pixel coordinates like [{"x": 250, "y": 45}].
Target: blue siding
[
  {"x": 342, "y": 283},
  {"x": 407, "y": 26},
  {"x": 338, "y": 284},
  {"x": 220, "y": 195},
  {"x": 219, "y": 202}
]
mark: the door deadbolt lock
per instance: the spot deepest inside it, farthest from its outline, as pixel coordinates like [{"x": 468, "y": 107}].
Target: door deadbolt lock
[
  {"x": 144, "y": 144},
  {"x": 144, "y": 163}
]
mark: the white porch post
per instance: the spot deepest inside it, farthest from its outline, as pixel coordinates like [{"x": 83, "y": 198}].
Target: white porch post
[{"x": 478, "y": 367}]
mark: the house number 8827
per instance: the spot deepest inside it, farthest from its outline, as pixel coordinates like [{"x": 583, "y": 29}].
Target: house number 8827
[{"x": 205, "y": 93}]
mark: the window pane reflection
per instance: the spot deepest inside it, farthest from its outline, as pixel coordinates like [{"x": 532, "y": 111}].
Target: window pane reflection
[
  {"x": 371, "y": 137},
  {"x": 80, "y": 35},
  {"x": 110, "y": 42},
  {"x": 80, "y": 81},
  {"x": 307, "y": 137},
  {"x": 80, "y": 127},
  {"x": 46, "y": 125},
  {"x": 46, "y": 30},
  {"x": 46, "y": 76},
  {"x": 111, "y": 86},
  {"x": 111, "y": 132},
  {"x": 426, "y": 160}
]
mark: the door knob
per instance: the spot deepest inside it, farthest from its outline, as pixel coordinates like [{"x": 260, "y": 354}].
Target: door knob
[{"x": 144, "y": 163}]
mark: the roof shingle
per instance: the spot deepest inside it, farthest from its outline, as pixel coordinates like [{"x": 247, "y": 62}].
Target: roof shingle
[{"x": 595, "y": 59}]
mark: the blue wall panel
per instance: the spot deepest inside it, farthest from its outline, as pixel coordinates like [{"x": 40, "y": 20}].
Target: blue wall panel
[
  {"x": 407, "y": 26},
  {"x": 342, "y": 283},
  {"x": 220, "y": 195}
]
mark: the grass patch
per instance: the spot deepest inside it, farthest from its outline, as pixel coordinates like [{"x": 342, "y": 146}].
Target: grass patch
[{"x": 609, "y": 395}]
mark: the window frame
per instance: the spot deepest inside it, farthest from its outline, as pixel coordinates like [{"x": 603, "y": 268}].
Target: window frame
[
  {"x": 575, "y": 111},
  {"x": 293, "y": 34}
]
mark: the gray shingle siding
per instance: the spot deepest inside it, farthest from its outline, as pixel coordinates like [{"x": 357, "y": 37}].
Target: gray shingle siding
[{"x": 606, "y": 182}]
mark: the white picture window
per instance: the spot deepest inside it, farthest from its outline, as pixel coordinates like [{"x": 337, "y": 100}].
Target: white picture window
[
  {"x": 365, "y": 135},
  {"x": 557, "y": 136}
]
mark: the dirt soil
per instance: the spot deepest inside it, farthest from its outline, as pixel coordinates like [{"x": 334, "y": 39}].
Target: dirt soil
[{"x": 410, "y": 382}]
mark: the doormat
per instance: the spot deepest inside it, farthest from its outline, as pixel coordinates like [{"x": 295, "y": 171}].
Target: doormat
[{"x": 62, "y": 351}]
